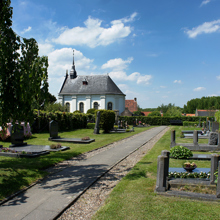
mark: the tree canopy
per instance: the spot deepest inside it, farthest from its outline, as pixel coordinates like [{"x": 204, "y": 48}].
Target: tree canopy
[
  {"x": 208, "y": 103},
  {"x": 23, "y": 73}
]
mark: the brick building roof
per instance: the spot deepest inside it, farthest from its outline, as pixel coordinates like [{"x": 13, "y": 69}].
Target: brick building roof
[{"x": 131, "y": 105}]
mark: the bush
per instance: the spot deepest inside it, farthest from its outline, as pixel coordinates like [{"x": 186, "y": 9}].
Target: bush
[
  {"x": 77, "y": 111},
  {"x": 180, "y": 152},
  {"x": 190, "y": 123},
  {"x": 107, "y": 120},
  {"x": 90, "y": 125},
  {"x": 91, "y": 111}
]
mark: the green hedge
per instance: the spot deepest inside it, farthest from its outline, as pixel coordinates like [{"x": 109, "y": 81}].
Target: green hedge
[
  {"x": 165, "y": 120},
  {"x": 90, "y": 125},
  {"x": 66, "y": 121},
  {"x": 107, "y": 119}
]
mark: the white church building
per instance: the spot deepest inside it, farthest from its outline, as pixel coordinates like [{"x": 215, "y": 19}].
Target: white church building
[{"x": 93, "y": 91}]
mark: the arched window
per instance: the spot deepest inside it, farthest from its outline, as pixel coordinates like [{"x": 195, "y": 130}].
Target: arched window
[
  {"x": 109, "y": 105},
  {"x": 68, "y": 107},
  {"x": 95, "y": 105},
  {"x": 81, "y": 107}
]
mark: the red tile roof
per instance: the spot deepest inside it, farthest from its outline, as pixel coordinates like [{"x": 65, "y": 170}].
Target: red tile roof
[
  {"x": 146, "y": 113},
  {"x": 131, "y": 105}
]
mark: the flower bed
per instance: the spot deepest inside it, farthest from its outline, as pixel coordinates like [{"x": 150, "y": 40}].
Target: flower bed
[{"x": 188, "y": 175}]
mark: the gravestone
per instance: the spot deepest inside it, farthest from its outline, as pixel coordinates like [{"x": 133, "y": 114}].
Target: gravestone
[
  {"x": 17, "y": 136},
  {"x": 53, "y": 129},
  {"x": 214, "y": 166},
  {"x": 213, "y": 138},
  {"x": 195, "y": 137},
  {"x": 161, "y": 183},
  {"x": 215, "y": 126},
  {"x": 173, "y": 138},
  {"x": 199, "y": 125},
  {"x": 218, "y": 183},
  {"x": 166, "y": 153},
  {"x": 96, "y": 130}
]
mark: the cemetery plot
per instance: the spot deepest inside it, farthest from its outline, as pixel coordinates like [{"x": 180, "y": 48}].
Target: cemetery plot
[{"x": 53, "y": 127}]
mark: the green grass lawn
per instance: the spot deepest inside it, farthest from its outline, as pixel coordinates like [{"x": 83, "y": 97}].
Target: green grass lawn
[
  {"x": 134, "y": 196},
  {"x": 16, "y": 173}
]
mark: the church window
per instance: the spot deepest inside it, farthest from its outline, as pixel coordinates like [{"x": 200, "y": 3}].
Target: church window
[
  {"x": 81, "y": 107},
  {"x": 95, "y": 105},
  {"x": 109, "y": 105},
  {"x": 68, "y": 107}
]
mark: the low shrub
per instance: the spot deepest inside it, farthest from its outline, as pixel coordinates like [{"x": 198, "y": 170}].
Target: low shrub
[
  {"x": 180, "y": 152},
  {"x": 90, "y": 125}
]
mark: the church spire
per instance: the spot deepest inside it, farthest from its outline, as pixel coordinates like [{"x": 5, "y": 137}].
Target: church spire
[{"x": 73, "y": 73}]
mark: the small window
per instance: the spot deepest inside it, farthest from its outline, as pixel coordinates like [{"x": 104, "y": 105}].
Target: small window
[
  {"x": 68, "y": 107},
  {"x": 81, "y": 107},
  {"x": 109, "y": 105},
  {"x": 95, "y": 105}
]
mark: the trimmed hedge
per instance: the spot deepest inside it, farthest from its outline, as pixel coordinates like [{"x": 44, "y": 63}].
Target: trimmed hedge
[
  {"x": 90, "y": 125},
  {"x": 165, "y": 120},
  {"x": 66, "y": 121},
  {"x": 107, "y": 120}
]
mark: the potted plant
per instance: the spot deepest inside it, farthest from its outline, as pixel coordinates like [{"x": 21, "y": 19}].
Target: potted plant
[{"x": 189, "y": 167}]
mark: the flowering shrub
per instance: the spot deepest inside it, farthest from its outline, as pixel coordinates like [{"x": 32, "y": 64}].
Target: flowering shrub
[
  {"x": 188, "y": 164},
  {"x": 188, "y": 175},
  {"x": 180, "y": 152}
]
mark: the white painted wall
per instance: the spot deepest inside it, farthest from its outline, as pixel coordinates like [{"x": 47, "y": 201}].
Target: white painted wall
[{"x": 118, "y": 101}]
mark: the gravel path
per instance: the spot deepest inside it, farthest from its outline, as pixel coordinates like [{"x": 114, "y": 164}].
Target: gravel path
[{"x": 86, "y": 206}]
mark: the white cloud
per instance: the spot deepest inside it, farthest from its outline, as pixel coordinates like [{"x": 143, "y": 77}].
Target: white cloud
[
  {"x": 163, "y": 87},
  {"x": 198, "y": 89},
  {"x": 117, "y": 63},
  {"x": 218, "y": 77},
  {"x": 205, "y": 28},
  {"x": 118, "y": 66},
  {"x": 205, "y": 2},
  {"x": 26, "y": 30},
  {"x": 177, "y": 81},
  {"x": 45, "y": 49},
  {"x": 94, "y": 35}
]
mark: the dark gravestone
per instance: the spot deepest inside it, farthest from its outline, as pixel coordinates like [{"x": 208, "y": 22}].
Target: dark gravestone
[
  {"x": 173, "y": 138},
  {"x": 215, "y": 126},
  {"x": 161, "y": 183},
  {"x": 214, "y": 166},
  {"x": 213, "y": 138},
  {"x": 218, "y": 182},
  {"x": 53, "y": 129},
  {"x": 17, "y": 136},
  {"x": 96, "y": 130}
]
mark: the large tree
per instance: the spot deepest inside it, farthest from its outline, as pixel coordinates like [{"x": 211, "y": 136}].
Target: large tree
[{"x": 23, "y": 74}]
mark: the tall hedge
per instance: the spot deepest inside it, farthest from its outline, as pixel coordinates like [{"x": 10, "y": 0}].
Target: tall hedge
[
  {"x": 107, "y": 119},
  {"x": 165, "y": 120},
  {"x": 66, "y": 121}
]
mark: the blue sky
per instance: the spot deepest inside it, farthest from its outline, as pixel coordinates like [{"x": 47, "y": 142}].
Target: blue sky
[{"x": 160, "y": 51}]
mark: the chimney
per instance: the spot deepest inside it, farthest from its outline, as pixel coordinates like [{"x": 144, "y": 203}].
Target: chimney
[{"x": 135, "y": 99}]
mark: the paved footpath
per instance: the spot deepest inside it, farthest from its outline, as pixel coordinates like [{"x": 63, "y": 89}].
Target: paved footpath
[{"x": 48, "y": 198}]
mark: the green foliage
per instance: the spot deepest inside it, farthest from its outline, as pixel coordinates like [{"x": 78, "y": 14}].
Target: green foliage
[
  {"x": 53, "y": 107},
  {"x": 90, "y": 125},
  {"x": 138, "y": 113},
  {"x": 77, "y": 111},
  {"x": 217, "y": 116},
  {"x": 66, "y": 121},
  {"x": 91, "y": 111},
  {"x": 180, "y": 152},
  {"x": 188, "y": 175},
  {"x": 107, "y": 120},
  {"x": 165, "y": 120},
  {"x": 190, "y": 123},
  {"x": 174, "y": 111},
  {"x": 153, "y": 114},
  {"x": 23, "y": 75},
  {"x": 208, "y": 103}
]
